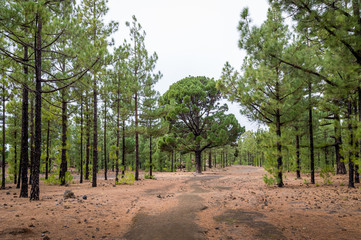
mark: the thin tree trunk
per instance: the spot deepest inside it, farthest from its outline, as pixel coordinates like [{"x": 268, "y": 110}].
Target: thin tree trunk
[
  {"x": 150, "y": 157},
  {"x": 105, "y": 140},
  {"x": 118, "y": 136},
  {"x": 341, "y": 168},
  {"x": 123, "y": 149},
  {"x": 34, "y": 193},
  {"x": 64, "y": 162},
  {"x": 210, "y": 159},
  {"x": 31, "y": 139},
  {"x": 3, "y": 145},
  {"x": 24, "y": 156},
  {"x": 350, "y": 161},
  {"x": 310, "y": 127},
  {"x": 81, "y": 139},
  {"x": 136, "y": 139},
  {"x": 95, "y": 135},
  {"x": 172, "y": 166},
  {"x": 298, "y": 156},
  {"x": 87, "y": 150},
  {"x": 47, "y": 152},
  {"x": 279, "y": 149},
  {"x": 15, "y": 153}
]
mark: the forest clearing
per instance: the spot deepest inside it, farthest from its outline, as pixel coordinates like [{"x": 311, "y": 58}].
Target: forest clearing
[{"x": 230, "y": 203}]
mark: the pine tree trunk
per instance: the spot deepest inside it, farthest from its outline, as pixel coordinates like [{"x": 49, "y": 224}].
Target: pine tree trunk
[
  {"x": 279, "y": 150},
  {"x": 150, "y": 157},
  {"x": 357, "y": 174},
  {"x": 172, "y": 167},
  {"x": 81, "y": 139},
  {"x": 136, "y": 139},
  {"x": 298, "y": 156},
  {"x": 87, "y": 150},
  {"x": 118, "y": 136},
  {"x": 123, "y": 149},
  {"x": 105, "y": 140},
  {"x": 31, "y": 139},
  {"x": 64, "y": 162},
  {"x": 47, "y": 151},
  {"x": 198, "y": 161},
  {"x": 341, "y": 168},
  {"x": 15, "y": 153},
  {"x": 210, "y": 159},
  {"x": 95, "y": 135},
  {"x": 34, "y": 193},
  {"x": 24, "y": 156},
  {"x": 310, "y": 127},
  {"x": 350, "y": 161},
  {"x": 3, "y": 144}
]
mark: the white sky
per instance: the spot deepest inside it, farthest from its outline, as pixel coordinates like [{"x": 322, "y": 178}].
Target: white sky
[{"x": 191, "y": 37}]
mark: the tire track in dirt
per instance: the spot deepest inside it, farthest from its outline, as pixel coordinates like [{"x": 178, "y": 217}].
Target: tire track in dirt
[{"x": 176, "y": 224}]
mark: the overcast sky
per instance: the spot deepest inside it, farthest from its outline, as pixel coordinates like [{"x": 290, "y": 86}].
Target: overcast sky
[{"x": 191, "y": 37}]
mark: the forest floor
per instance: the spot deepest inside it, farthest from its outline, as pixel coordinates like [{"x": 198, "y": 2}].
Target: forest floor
[{"x": 230, "y": 203}]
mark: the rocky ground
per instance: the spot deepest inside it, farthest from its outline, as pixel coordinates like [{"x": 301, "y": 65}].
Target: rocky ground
[{"x": 231, "y": 203}]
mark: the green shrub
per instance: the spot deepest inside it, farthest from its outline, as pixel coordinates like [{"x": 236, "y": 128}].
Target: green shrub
[
  {"x": 53, "y": 179},
  {"x": 270, "y": 181},
  {"x": 128, "y": 178},
  {"x": 147, "y": 176}
]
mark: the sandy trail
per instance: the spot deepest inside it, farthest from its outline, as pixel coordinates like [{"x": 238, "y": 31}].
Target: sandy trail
[{"x": 231, "y": 203}]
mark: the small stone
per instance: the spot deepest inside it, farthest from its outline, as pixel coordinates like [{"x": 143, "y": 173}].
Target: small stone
[
  {"x": 31, "y": 225},
  {"x": 46, "y": 238},
  {"x": 7, "y": 193},
  {"x": 68, "y": 194},
  {"x": 85, "y": 197}
]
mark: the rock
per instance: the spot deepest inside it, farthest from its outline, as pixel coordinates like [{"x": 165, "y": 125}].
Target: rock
[
  {"x": 85, "y": 197},
  {"x": 31, "y": 225},
  {"x": 7, "y": 193},
  {"x": 68, "y": 194},
  {"x": 46, "y": 238}
]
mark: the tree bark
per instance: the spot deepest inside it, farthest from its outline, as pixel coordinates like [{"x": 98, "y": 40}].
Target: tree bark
[
  {"x": 95, "y": 135},
  {"x": 279, "y": 149},
  {"x": 24, "y": 156},
  {"x": 210, "y": 159},
  {"x": 123, "y": 149},
  {"x": 105, "y": 141},
  {"x": 350, "y": 162},
  {"x": 150, "y": 157},
  {"x": 310, "y": 127},
  {"x": 81, "y": 139},
  {"x": 34, "y": 193},
  {"x": 87, "y": 150},
  {"x": 15, "y": 153},
  {"x": 298, "y": 156},
  {"x": 198, "y": 161},
  {"x": 136, "y": 139},
  {"x": 3, "y": 144},
  {"x": 341, "y": 168},
  {"x": 47, "y": 152},
  {"x": 64, "y": 162},
  {"x": 118, "y": 136},
  {"x": 31, "y": 139}
]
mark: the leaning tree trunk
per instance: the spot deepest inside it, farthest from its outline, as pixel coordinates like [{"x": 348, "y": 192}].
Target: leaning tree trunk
[{"x": 34, "y": 193}]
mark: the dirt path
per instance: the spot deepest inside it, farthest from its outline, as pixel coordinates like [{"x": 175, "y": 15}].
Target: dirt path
[
  {"x": 177, "y": 223},
  {"x": 221, "y": 204}
]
